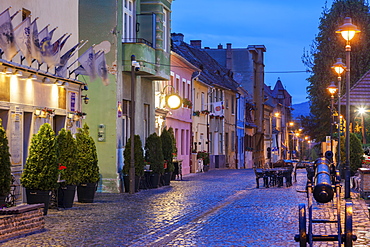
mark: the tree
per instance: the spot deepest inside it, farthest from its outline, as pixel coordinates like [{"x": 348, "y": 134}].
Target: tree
[
  {"x": 356, "y": 152},
  {"x": 138, "y": 154},
  {"x": 5, "y": 171},
  {"x": 87, "y": 158},
  {"x": 154, "y": 153},
  {"x": 326, "y": 48},
  {"x": 168, "y": 149},
  {"x": 41, "y": 169},
  {"x": 66, "y": 153}
]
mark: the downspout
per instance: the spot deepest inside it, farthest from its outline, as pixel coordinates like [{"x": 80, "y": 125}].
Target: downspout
[
  {"x": 191, "y": 124},
  {"x": 236, "y": 130}
]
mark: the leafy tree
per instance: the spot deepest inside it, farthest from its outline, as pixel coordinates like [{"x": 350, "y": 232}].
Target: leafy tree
[
  {"x": 66, "y": 153},
  {"x": 5, "y": 171},
  {"x": 356, "y": 152},
  {"x": 87, "y": 158},
  {"x": 326, "y": 48},
  {"x": 154, "y": 153},
  {"x": 168, "y": 149},
  {"x": 41, "y": 169},
  {"x": 139, "y": 157}
]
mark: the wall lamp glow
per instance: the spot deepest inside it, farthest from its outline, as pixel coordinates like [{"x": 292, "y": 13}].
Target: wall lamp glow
[
  {"x": 172, "y": 100},
  {"x": 37, "y": 112}
]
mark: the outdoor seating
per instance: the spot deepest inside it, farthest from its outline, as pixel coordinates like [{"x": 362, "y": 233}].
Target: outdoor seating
[{"x": 274, "y": 176}]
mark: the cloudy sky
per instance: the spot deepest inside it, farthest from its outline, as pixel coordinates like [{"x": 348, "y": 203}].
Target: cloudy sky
[{"x": 285, "y": 28}]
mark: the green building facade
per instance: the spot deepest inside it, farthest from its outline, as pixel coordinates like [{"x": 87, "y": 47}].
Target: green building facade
[{"x": 122, "y": 29}]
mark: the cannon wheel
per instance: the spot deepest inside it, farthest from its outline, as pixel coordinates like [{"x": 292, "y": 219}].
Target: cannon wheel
[
  {"x": 302, "y": 225},
  {"x": 348, "y": 225}
]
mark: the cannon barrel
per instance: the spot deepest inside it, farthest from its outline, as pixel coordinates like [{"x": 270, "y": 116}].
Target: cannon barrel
[{"x": 323, "y": 191}]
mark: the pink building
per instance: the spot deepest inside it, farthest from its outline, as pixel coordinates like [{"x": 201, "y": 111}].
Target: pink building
[{"x": 180, "y": 120}]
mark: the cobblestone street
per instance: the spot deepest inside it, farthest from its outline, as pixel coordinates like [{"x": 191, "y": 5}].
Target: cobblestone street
[{"x": 217, "y": 208}]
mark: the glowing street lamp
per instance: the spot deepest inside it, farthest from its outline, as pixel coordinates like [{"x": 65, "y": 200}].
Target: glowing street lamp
[
  {"x": 332, "y": 90},
  {"x": 348, "y": 31},
  {"x": 173, "y": 101},
  {"x": 339, "y": 67}
]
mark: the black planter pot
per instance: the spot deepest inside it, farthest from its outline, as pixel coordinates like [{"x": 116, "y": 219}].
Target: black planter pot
[
  {"x": 66, "y": 195},
  {"x": 206, "y": 168},
  {"x": 167, "y": 178},
  {"x": 86, "y": 192},
  {"x": 39, "y": 196},
  {"x": 2, "y": 201},
  {"x": 126, "y": 182},
  {"x": 154, "y": 180}
]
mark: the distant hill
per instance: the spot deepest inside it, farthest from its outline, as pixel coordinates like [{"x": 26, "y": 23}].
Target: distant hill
[{"x": 301, "y": 109}]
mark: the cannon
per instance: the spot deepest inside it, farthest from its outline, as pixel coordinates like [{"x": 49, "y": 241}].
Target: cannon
[{"x": 323, "y": 183}]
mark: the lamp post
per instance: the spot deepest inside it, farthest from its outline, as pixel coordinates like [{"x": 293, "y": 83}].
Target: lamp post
[
  {"x": 348, "y": 31},
  {"x": 339, "y": 68},
  {"x": 291, "y": 124},
  {"x": 132, "y": 126},
  {"x": 332, "y": 90}
]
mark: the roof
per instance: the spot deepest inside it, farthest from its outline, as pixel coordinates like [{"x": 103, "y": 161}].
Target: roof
[
  {"x": 359, "y": 92},
  {"x": 212, "y": 73}
]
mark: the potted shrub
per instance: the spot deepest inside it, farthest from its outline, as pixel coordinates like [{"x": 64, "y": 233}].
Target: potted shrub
[
  {"x": 40, "y": 173},
  {"x": 139, "y": 163},
  {"x": 66, "y": 158},
  {"x": 87, "y": 163},
  {"x": 154, "y": 157},
  {"x": 205, "y": 157},
  {"x": 5, "y": 170},
  {"x": 168, "y": 152}
]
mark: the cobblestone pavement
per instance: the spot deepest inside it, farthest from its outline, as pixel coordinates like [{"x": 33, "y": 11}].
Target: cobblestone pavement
[{"x": 216, "y": 208}]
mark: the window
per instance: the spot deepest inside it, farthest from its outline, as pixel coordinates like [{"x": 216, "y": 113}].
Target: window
[
  {"x": 189, "y": 91},
  {"x": 128, "y": 21},
  {"x": 220, "y": 142},
  {"x": 232, "y": 140},
  {"x": 232, "y": 104},
  {"x": 226, "y": 142},
  {"x": 184, "y": 89},
  {"x": 187, "y": 143},
  {"x": 210, "y": 144},
  {"x": 202, "y": 108},
  {"x": 177, "y": 87},
  {"x": 182, "y": 142}
]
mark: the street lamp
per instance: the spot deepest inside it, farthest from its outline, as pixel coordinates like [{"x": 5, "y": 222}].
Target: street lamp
[
  {"x": 339, "y": 67},
  {"x": 332, "y": 90},
  {"x": 362, "y": 111},
  {"x": 348, "y": 31}
]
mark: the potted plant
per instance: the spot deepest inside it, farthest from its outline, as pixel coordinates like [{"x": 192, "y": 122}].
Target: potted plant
[
  {"x": 87, "y": 163},
  {"x": 66, "y": 158},
  {"x": 154, "y": 156},
  {"x": 5, "y": 171},
  {"x": 168, "y": 152},
  {"x": 139, "y": 163},
  {"x": 205, "y": 157},
  {"x": 40, "y": 173}
]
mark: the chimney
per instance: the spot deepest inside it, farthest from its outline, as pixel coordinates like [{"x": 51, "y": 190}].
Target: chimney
[
  {"x": 220, "y": 46},
  {"x": 229, "y": 56},
  {"x": 196, "y": 43},
  {"x": 177, "y": 38}
]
